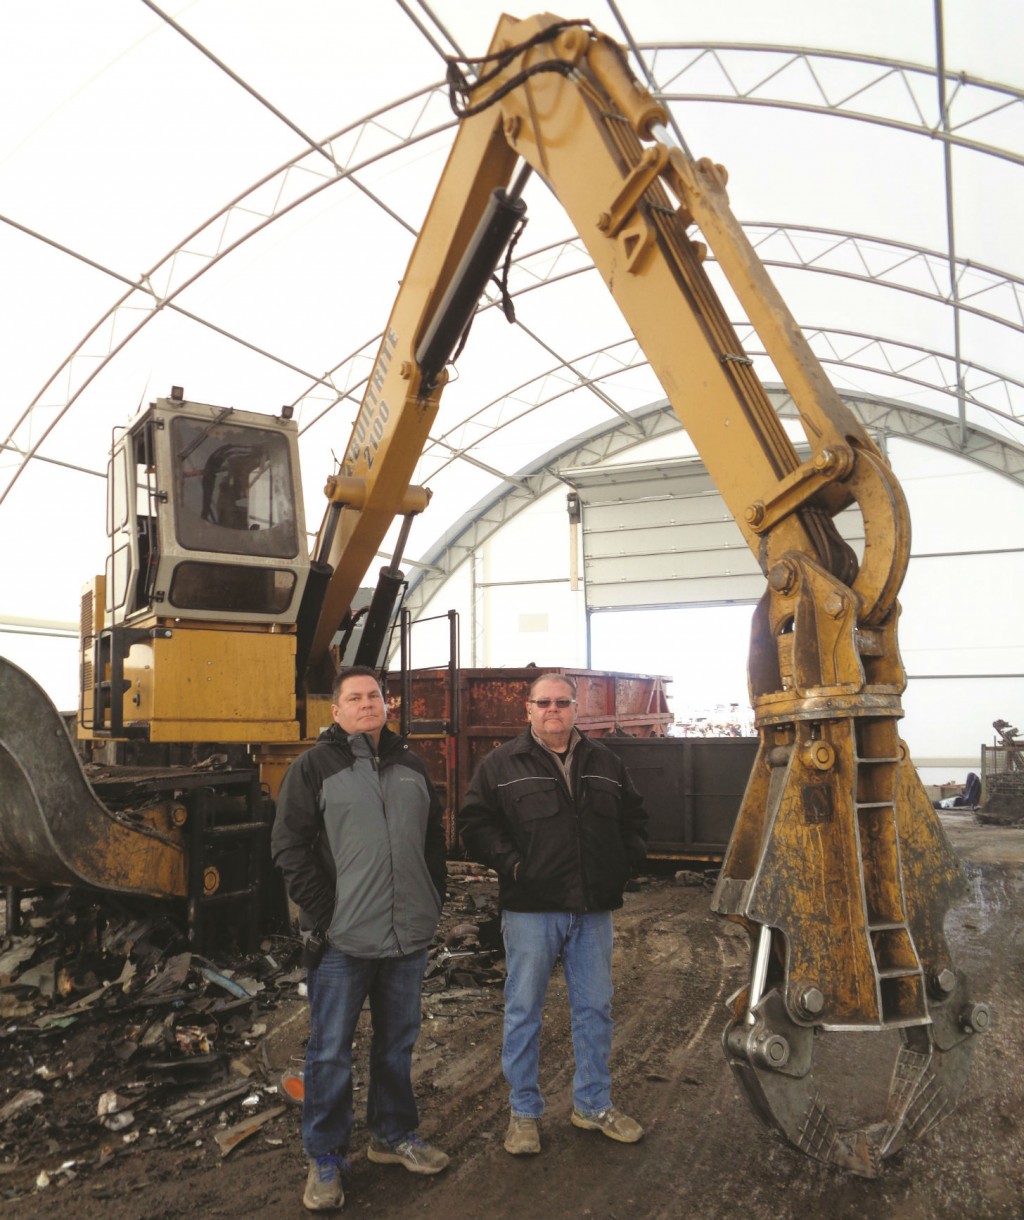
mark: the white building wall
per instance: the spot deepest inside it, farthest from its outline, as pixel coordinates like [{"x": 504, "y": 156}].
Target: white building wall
[
  {"x": 959, "y": 635},
  {"x": 515, "y": 602},
  {"x": 959, "y": 632}
]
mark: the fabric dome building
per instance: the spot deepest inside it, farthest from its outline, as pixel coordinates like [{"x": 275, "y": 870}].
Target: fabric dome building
[{"x": 225, "y": 198}]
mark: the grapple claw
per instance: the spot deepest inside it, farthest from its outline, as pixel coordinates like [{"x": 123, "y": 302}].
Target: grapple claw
[{"x": 929, "y": 1073}]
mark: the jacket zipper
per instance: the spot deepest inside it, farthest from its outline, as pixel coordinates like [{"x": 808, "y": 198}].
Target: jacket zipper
[{"x": 579, "y": 844}]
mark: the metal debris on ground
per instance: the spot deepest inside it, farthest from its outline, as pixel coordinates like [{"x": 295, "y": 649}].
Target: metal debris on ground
[
  {"x": 229, "y": 1139},
  {"x": 686, "y": 876},
  {"x": 116, "y": 1038},
  {"x": 468, "y": 951}
]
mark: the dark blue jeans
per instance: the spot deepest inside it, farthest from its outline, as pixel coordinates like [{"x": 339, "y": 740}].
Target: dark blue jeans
[{"x": 337, "y": 989}]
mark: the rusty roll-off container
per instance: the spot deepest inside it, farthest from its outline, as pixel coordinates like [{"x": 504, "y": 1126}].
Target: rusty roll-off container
[{"x": 457, "y": 716}]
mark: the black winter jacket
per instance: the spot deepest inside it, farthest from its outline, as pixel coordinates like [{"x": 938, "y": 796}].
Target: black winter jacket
[
  {"x": 575, "y": 851},
  {"x": 359, "y": 837}
]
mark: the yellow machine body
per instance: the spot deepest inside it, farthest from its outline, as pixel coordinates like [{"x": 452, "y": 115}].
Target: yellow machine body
[{"x": 213, "y": 685}]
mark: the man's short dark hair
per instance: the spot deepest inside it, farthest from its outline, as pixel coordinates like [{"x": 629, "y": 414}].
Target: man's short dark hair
[
  {"x": 351, "y": 671},
  {"x": 570, "y": 683}
]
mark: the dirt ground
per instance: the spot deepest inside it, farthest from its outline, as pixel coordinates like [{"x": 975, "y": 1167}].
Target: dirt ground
[{"x": 705, "y": 1155}]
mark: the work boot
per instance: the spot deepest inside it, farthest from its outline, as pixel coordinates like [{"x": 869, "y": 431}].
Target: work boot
[
  {"x": 523, "y": 1135},
  {"x": 324, "y": 1191},
  {"x": 414, "y": 1153},
  {"x": 610, "y": 1122}
]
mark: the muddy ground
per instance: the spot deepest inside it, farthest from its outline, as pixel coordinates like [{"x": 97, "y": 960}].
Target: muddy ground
[{"x": 704, "y": 1155}]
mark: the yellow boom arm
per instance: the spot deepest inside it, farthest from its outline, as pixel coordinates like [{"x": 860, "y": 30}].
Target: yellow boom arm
[{"x": 838, "y": 867}]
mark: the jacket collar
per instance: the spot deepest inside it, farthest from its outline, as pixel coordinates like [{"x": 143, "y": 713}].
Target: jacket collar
[
  {"x": 336, "y": 735},
  {"x": 526, "y": 741}
]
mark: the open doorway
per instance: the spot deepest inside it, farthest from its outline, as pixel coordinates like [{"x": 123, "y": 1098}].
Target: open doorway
[{"x": 703, "y": 649}]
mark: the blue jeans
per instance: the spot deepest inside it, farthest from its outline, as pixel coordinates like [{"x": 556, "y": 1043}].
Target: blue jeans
[
  {"x": 337, "y": 990},
  {"x": 533, "y": 943}
]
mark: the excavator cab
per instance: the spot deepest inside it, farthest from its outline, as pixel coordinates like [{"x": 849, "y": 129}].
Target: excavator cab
[
  {"x": 207, "y": 563},
  {"x": 188, "y": 646},
  {"x": 204, "y": 517}
]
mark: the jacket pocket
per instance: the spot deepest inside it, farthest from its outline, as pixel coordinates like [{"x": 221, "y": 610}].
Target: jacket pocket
[
  {"x": 605, "y": 795},
  {"x": 533, "y": 806},
  {"x": 528, "y": 800}
]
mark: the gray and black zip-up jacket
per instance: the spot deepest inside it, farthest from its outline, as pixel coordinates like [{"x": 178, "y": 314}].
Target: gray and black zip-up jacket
[
  {"x": 359, "y": 837},
  {"x": 575, "y": 848}
]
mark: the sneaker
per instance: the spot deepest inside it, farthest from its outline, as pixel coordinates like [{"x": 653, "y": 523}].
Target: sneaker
[
  {"x": 324, "y": 1192},
  {"x": 610, "y": 1122},
  {"x": 414, "y": 1153},
  {"x": 523, "y": 1135}
]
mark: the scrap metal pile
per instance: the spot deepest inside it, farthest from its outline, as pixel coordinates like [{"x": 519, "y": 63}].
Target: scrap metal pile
[
  {"x": 1002, "y": 767},
  {"x": 116, "y": 1038}
]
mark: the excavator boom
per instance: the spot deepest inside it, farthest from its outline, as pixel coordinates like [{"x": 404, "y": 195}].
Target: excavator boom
[{"x": 838, "y": 867}]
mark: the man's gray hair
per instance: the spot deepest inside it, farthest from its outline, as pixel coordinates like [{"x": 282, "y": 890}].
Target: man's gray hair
[{"x": 563, "y": 678}]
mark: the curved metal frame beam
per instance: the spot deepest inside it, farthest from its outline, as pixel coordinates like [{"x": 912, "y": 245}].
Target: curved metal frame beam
[
  {"x": 272, "y": 197},
  {"x": 886, "y": 417},
  {"x": 896, "y": 359},
  {"x": 158, "y": 288},
  {"x": 903, "y": 362},
  {"x": 971, "y": 103}
]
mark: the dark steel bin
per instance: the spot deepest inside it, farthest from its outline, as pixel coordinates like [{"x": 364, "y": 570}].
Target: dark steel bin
[{"x": 692, "y": 789}]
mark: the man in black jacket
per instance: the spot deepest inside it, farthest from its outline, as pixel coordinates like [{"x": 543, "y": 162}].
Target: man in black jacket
[
  {"x": 558, "y": 818},
  {"x": 359, "y": 837}
]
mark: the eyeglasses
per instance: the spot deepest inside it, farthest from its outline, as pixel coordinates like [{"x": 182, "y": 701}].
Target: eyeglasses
[{"x": 559, "y": 703}]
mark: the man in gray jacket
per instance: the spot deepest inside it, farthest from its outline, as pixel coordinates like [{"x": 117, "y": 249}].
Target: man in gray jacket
[{"x": 359, "y": 837}]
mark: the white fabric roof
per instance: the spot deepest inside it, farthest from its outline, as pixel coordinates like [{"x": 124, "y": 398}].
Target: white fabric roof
[{"x": 140, "y": 250}]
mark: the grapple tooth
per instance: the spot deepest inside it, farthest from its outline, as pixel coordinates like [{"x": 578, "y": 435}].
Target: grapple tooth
[{"x": 930, "y": 1071}]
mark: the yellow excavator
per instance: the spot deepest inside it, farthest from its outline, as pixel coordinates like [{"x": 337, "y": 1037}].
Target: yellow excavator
[{"x": 211, "y": 625}]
